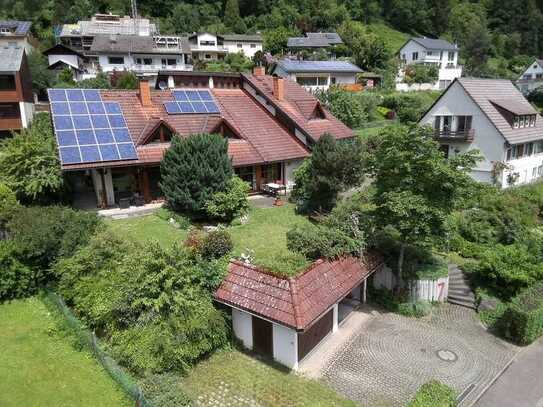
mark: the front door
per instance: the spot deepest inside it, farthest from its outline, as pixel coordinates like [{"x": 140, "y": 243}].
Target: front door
[{"x": 262, "y": 337}]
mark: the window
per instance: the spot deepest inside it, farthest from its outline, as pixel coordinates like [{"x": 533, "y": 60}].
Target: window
[
  {"x": 429, "y": 53},
  {"x": 147, "y": 61},
  {"x": 172, "y": 62},
  {"x": 444, "y": 83},
  {"x": 9, "y": 111},
  {"x": 464, "y": 123},
  {"x": 5, "y": 30},
  {"x": 240, "y": 45},
  {"x": 404, "y": 57},
  {"x": 447, "y": 121},
  {"x": 538, "y": 148},
  {"x": 7, "y": 82},
  {"x": 516, "y": 122},
  {"x": 333, "y": 80},
  {"x": 246, "y": 174},
  {"x": 529, "y": 148},
  {"x": 115, "y": 60},
  {"x": 12, "y": 44},
  {"x": 305, "y": 81},
  {"x": 532, "y": 120},
  {"x": 527, "y": 76},
  {"x": 451, "y": 56},
  {"x": 539, "y": 75},
  {"x": 415, "y": 56},
  {"x": 208, "y": 43},
  {"x": 253, "y": 45}
]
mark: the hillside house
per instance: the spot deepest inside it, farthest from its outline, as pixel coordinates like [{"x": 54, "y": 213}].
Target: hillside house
[
  {"x": 427, "y": 51},
  {"x": 492, "y": 116},
  {"x": 287, "y": 318},
  {"x": 207, "y": 46},
  {"x": 16, "y": 34},
  {"x": 115, "y": 139},
  {"x": 532, "y": 77},
  {"x": 313, "y": 75},
  {"x": 16, "y": 98}
]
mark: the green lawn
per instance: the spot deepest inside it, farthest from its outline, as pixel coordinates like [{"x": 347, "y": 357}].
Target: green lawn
[
  {"x": 370, "y": 131},
  {"x": 142, "y": 229},
  {"x": 232, "y": 378},
  {"x": 40, "y": 367},
  {"x": 264, "y": 235}
]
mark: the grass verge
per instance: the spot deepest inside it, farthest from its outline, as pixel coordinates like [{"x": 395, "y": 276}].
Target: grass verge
[
  {"x": 40, "y": 366},
  {"x": 233, "y": 378}
]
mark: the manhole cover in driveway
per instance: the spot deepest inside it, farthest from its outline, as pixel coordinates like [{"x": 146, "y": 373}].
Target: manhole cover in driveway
[{"x": 447, "y": 355}]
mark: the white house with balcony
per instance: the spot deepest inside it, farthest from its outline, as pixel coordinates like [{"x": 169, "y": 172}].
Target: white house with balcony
[
  {"x": 532, "y": 77},
  {"x": 427, "y": 51},
  {"x": 313, "y": 75},
  {"x": 207, "y": 46},
  {"x": 492, "y": 116}
]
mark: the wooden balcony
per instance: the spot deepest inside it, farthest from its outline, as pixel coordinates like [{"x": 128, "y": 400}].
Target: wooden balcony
[{"x": 447, "y": 135}]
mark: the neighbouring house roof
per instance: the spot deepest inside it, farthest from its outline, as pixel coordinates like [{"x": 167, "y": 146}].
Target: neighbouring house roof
[
  {"x": 295, "y": 66},
  {"x": 315, "y": 40},
  {"x": 298, "y": 105},
  {"x": 242, "y": 37},
  {"x": 490, "y": 94},
  {"x": 332, "y": 37},
  {"x": 20, "y": 28},
  {"x": 63, "y": 64},
  {"x": 432, "y": 43},
  {"x": 123, "y": 44},
  {"x": 298, "y": 301},
  {"x": 61, "y": 49},
  {"x": 11, "y": 59}
]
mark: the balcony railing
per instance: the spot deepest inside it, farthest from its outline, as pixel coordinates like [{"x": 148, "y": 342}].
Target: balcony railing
[{"x": 460, "y": 135}]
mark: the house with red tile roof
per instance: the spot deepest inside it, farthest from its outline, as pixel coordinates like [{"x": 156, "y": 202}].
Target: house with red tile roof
[
  {"x": 114, "y": 140},
  {"x": 286, "y": 318}
]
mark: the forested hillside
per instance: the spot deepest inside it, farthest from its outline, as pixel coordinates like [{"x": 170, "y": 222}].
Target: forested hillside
[{"x": 497, "y": 36}]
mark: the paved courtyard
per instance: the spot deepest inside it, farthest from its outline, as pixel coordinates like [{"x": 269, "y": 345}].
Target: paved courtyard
[{"x": 390, "y": 357}]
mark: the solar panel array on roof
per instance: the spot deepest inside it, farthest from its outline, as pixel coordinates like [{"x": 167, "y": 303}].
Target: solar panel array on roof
[
  {"x": 192, "y": 101},
  {"x": 88, "y": 129}
]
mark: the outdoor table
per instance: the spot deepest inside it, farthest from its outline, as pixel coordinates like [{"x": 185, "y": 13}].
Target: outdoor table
[{"x": 274, "y": 189}]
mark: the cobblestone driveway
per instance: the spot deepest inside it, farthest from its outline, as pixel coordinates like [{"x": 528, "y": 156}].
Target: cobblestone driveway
[{"x": 392, "y": 356}]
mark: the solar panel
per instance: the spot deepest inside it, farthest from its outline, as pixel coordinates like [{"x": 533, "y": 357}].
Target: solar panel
[
  {"x": 88, "y": 129},
  {"x": 191, "y": 101}
]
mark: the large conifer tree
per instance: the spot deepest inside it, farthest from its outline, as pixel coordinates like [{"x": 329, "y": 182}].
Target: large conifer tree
[{"x": 193, "y": 169}]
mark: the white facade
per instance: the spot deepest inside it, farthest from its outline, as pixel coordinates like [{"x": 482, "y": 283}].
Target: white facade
[
  {"x": 531, "y": 78},
  {"x": 16, "y": 42},
  {"x": 206, "y": 46},
  {"x": 142, "y": 63},
  {"x": 312, "y": 81},
  {"x": 444, "y": 59},
  {"x": 285, "y": 346},
  {"x": 289, "y": 168},
  {"x": 486, "y": 138}
]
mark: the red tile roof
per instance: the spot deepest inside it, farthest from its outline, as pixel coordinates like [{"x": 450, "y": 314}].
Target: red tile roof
[
  {"x": 263, "y": 137},
  {"x": 295, "y": 302},
  {"x": 298, "y": 104}
]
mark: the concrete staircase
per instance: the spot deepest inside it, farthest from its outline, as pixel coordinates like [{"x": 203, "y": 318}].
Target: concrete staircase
[{"x": 459, "y": 290}]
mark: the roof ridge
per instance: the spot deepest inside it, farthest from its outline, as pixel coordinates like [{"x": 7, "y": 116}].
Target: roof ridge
[{"x": 295, "y": 302}]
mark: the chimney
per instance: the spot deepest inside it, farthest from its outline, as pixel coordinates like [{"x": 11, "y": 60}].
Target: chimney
[
  {"x": 145, "y": 92},
  {"x": 278, "y": 88},
  {"x": 259, "y": 71}
]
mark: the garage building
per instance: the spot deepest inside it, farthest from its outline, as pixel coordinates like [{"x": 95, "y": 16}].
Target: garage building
[{"x": 285, "y": 318}]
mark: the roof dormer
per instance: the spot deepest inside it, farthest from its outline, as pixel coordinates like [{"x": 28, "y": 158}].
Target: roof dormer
[{"x": 518, "y": 115}]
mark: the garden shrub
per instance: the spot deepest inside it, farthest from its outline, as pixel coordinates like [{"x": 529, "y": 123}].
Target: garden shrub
[
  {"x": 409, "y": 106},
  {"x": 42, "y": 234},
  {"x": 216, "y": 244},
  {"x": 415, "y": 309},
  {"x": 193, "y": 169},
  {"x": 165, "y": 390},
  {"x": 344, "y": 105},
  {"x": 229, "y": 204},
  {"x": 434, "y": 394},
  {"x": 154, "y": 306},
  {"x": 16, "y": 279},
  {"x": 316, "y": 241},
  {"x": 417, "y": 73},
  {"x": 522, "y": 320}
]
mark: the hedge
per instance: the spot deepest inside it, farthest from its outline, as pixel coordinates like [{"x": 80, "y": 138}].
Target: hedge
[
  {"x": 434, "y": 394},
  {"x": 522, "y": 321}
]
